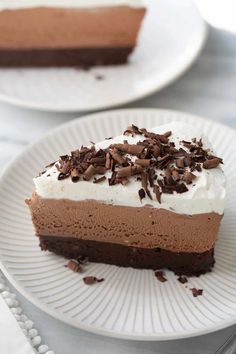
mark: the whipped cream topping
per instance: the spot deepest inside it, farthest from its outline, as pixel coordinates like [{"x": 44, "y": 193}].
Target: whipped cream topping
[
  {"x": 205, "y": 195},
  {"x": 21, "y": 4}
]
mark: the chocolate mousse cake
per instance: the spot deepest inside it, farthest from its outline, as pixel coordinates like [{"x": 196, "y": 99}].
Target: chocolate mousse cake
[
  {"x": 68, "y": 32},
  {"x": 146, "y": 199}
]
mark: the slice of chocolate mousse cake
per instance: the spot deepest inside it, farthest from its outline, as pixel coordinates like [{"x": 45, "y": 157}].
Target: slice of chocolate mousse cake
[
  {"x": 146, "y": 199},
  {"x": 68, "y": 32}
]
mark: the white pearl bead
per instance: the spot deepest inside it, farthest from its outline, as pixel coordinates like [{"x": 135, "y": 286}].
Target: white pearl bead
[
  {"x": 2, "y": 287},
  {"x": 6, "y": 294},
  {"x": 23, "y": 318},
  {"x": 29, "y": 324},
  {"x": 50, "y": 352},
  {"x": 43, "y": 349},
  {"x": 18, "y": 310},
  {"x": 33, "y": 333},
  {"x": 17, "y": 317},
  {"x": 36, "y": 341},
  {"x": 9, "y": 302},
  {"x": 15, "y": 302},
  {"x": 25, "y": 332},
  {"x": 21, "y": 324}
]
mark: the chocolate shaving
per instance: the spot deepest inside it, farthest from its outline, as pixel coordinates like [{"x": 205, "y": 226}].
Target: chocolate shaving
[
  {"x": 156, "y": 190},
  {"x": 149, "y": 193},
  {"x": 50, "y": 165},
  {"x": 180, "y": 163},
  {"x": 181, "y": 188},
  {"x": 74, "y": 266},
  {"x": 175, "y": 175},
  {"x": 160, "y": 276},
  {"x": 108, "y": 161},
  {"x": 112, "y": 180},
  {"x": 100, "y": 170},
  {"x": 142, "y": 162},
  {"x": 129, "y": 148},
  {"x": 99, "y": 180},
  {"x": 89, "y": 280},
  {"x": 129, "y": 171},
  {"x": 188, "y": 177},
  {"x": 141, "y": 194},
  {"x": 118, "y": 158},
  {"x": 196, "y": 292},
  {"x": 212, "y": 163},
  {"x": 74, "y": 175},
  {"x": 62, "y": 176},
  {"x": 144, "y": 180},
  {"x": 182, "y": 279},
  {"x": 167, "y": 134},
  {"x": 89, "y": 173}
]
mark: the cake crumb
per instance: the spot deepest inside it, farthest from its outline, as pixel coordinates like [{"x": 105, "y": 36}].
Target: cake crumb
[
  {"x": 196, "y": 292},
  {"x": 182, "y": 279},
  {"x": 160, "y": 276},
  {"x": 89, "y": 280}
]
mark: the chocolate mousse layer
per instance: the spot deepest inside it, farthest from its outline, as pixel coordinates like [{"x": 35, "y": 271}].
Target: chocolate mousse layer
[
  {"x": 154, "y": 237},
  {"x": 68, "y": 37}
]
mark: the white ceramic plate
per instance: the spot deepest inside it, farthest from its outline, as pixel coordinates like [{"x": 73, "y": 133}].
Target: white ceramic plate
[
  {"x": 171, "y": 38},
  {"x": 129, "y": 303}
]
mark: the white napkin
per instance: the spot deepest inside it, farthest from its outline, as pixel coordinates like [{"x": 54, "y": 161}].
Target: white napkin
[{"x": 12, "y": 339}]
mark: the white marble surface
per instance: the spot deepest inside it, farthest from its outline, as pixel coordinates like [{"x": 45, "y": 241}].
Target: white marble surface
[{"x": 207, "y": 89}]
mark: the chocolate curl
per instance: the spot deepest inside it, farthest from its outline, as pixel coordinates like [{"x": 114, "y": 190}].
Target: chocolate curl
[
  {"x": 63, "y": 176},
  {"x": 108, "y": 161},
  {"x": 162, "y": 138},
  {"x": 167, "y": 134},
  {"x": 101, "y": 179},
  {"x": 157, "y": 192},
  {"x": 181, "y": 188},
  {"x": 141, "y": 194},
  {"x": 188, "y": 177},
  {"x": 167, "y": 173},
  {"x": 100, "y": 170},
  {"x": 156, "y": 151},
  {"x": 144, "y": 180},
  {"x": 142, "y": 162},
  {"x": 212, "y": 163},
  {"x": 129, "y": 131},
  {"x": 129, "y": 148},
  {"x": 74, "y": 266},
  {"x": 118, "y": 158},
  {"x": 129, "y": 171},
  {"x": 112, "y": 180},
  {"x": 89, "y": 173},
  {"x": 92, "y": 280},
  {"x": 160, "y": 276},
  {"x": 98, "y": 161},
  {"x": 175, "y": 175},
  {"x": 180, "y": 163},
  {"x": 74, "y": 175},
  {"x": 163, "y": 158},
  {"x": 65, "y": 167}
]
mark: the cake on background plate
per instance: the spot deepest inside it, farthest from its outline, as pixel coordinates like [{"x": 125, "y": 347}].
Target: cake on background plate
[
  {"x": 146, "y": 199},
  {"x": 68, "y": 32}
]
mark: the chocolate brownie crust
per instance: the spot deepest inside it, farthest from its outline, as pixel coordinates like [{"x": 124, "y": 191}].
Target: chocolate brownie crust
[{"x": 188, "y": 263}]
